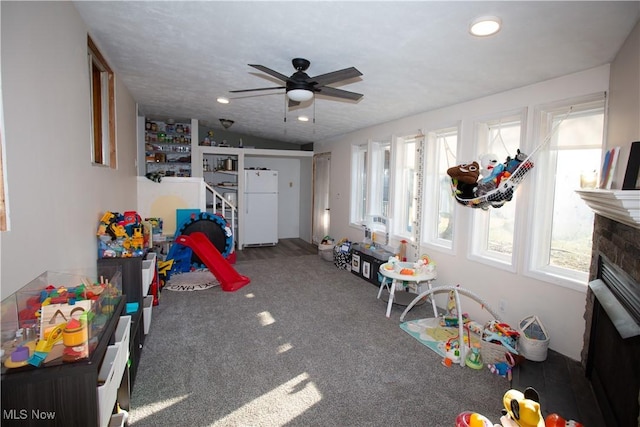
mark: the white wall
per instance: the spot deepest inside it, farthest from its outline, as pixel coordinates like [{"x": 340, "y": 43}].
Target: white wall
[
  {"x": 56, "y": 196},
  {"x": 624, "y": 102},
  {"x": 561, "y": 309}
]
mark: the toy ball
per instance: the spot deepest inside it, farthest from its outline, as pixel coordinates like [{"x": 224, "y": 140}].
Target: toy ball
[{"x": 472, "y": 419}]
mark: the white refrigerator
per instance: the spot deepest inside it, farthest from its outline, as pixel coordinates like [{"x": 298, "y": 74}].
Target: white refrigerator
[{"x": 260, "y": 207}]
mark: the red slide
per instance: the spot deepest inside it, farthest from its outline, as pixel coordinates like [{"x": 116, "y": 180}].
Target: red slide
[{"x": 230, "y": 280}]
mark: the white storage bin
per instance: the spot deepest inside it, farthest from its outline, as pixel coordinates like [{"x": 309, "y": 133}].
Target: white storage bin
[
  {"x": 147, "y": 307},
  {"x": 112, "y": 369},
  {"x": 147, "y": 275},
  {"x": 117, "y": 420},
  {"x": 111, "y": 373},
  {"x": 122, "y": 334}
]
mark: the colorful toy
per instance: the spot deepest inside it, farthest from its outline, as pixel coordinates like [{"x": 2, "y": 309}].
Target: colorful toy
[
  {"x": 504, "y": 369},
  {"x": 522, "y": 409},
  {"x": 474, "y": 360},
  {"x": 512, "y": 163},
  {"x": 472, "y": 419},
  {"x": 555, "y": 420}
]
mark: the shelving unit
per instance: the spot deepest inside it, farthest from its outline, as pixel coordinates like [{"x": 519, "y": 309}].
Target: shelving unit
[
  {"x": 73, "y": 391},
  {"x": 217, "y": 174},
  {"x": 168, "y": 148},
  {"x": 132, "y": 290}
]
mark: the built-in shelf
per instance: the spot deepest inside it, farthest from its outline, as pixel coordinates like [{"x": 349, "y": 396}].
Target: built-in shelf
[{"x": 619, "y": 205}]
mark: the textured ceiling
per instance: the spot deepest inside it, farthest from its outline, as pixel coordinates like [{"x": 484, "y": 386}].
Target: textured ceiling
[{"x": 176, "y": 58}]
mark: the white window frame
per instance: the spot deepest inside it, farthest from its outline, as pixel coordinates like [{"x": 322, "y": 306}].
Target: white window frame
[
  {"x": 400, "y": 201},
  {"x": 359, "y": 177},
  {"x": 540, "y": 241},
  {"x": 434, "y": 150},
  {"x": 480, "y": 219},
  {"x": 377, "y": 151}
]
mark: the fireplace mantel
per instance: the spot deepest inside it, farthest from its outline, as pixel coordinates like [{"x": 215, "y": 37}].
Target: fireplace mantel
[{"x": 618, "y": 205}]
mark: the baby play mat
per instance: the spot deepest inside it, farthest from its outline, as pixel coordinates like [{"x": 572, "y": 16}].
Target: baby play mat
[
  {"x": 197, "y": 280},
  {"x": 429, "y": 332}
]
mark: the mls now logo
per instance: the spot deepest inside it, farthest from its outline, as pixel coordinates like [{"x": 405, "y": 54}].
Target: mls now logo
[{"x": 23, "y": 414}]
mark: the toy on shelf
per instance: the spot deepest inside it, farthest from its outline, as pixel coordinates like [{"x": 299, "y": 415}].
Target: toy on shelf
[
  {"x": 121, "y": 235},
  {"x": 59, "y": 323}
]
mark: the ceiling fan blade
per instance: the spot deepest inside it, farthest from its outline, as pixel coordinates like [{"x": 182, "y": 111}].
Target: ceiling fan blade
[
  {"x": 260, "y": 88},
  {"x": 335, "y": 76},
  {"x": 271, "y": 72},
  {"x": 293, "y": 103},
  {"x": 339, "y": 93}
]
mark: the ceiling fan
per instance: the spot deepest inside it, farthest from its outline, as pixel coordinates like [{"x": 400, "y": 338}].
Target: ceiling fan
[{"x": 300, "y": 87}]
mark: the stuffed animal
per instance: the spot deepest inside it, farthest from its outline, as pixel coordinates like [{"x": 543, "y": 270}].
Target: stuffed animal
[
  {"x": 504, "y": 369},
  {"x": 512, "y": 163},
  {"x": 491, "y": 168},
  {"x": 466, "y": 173},
  {"x": 522, "y": 409}
]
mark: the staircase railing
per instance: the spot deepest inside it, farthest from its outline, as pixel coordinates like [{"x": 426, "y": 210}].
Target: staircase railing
[{"x": 227, "y": 209}]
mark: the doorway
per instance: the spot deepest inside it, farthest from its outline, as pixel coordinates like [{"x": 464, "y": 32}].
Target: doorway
[{"x": 321, "y": 208}]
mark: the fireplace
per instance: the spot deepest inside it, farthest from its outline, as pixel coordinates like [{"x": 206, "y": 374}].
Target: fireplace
[{"x": 611, "y": 353}]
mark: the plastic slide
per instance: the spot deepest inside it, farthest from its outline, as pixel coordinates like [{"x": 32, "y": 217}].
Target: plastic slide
[{"x": 230, "y": 280}]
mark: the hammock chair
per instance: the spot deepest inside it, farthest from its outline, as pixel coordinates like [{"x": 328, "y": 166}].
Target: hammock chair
[{"x": 506, "y": 187}]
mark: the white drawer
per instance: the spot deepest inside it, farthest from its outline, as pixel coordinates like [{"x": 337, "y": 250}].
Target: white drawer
[
  {"x": 148, "y": 271},
  {"x": 147, "y": 307},
  {"x": 112, "y": 369},
  {"x": 123, "y": 331}
]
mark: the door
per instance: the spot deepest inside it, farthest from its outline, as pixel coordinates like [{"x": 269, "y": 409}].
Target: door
[{"x": 321, "y": 184}]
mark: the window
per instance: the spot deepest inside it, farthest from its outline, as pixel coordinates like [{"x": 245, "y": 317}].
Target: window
[
  {"x": 404, "y": 204},
  {"x": 494, "y": 229},
  {"x": 380, "y": 174},
  {"x": 563, "y": 223},
  {"x": 359, "y": 183},
  {"x": 438, "y": 224},
  {"x": 103, "y": 145}
]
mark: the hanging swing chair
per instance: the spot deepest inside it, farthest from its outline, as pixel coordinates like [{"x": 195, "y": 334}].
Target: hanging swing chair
[{"x": 515, "y": 170}]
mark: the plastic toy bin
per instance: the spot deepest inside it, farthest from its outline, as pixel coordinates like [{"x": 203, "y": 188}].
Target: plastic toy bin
[{"x": 23, "y": 316}]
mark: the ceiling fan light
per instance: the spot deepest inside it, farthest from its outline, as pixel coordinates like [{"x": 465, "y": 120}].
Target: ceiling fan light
[
  {"x": 303, "y": 118},
  {"x": 300, "y": 95},
  {"x": 485, "y": 26},
  {"x": 223, "y": 100}
]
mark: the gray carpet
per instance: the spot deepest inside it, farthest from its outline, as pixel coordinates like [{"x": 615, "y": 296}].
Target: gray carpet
[{"x": 304, "y": 344}]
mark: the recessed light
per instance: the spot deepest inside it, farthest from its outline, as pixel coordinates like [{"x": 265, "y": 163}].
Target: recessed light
[
  {"x": 303, "y": 118},
  {"x": 223, "y": 100},
  {"x": 485, "y": 26}
]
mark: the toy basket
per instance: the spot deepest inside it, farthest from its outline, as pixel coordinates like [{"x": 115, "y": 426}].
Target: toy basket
[
  {"x": 492, "y": 352},
  {"x": 534, "y": 339},
  {"x": 326, "y": 252}
]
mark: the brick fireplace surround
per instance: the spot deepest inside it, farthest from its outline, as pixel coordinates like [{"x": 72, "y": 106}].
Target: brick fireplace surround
[{"x": 620, "y": 244}]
